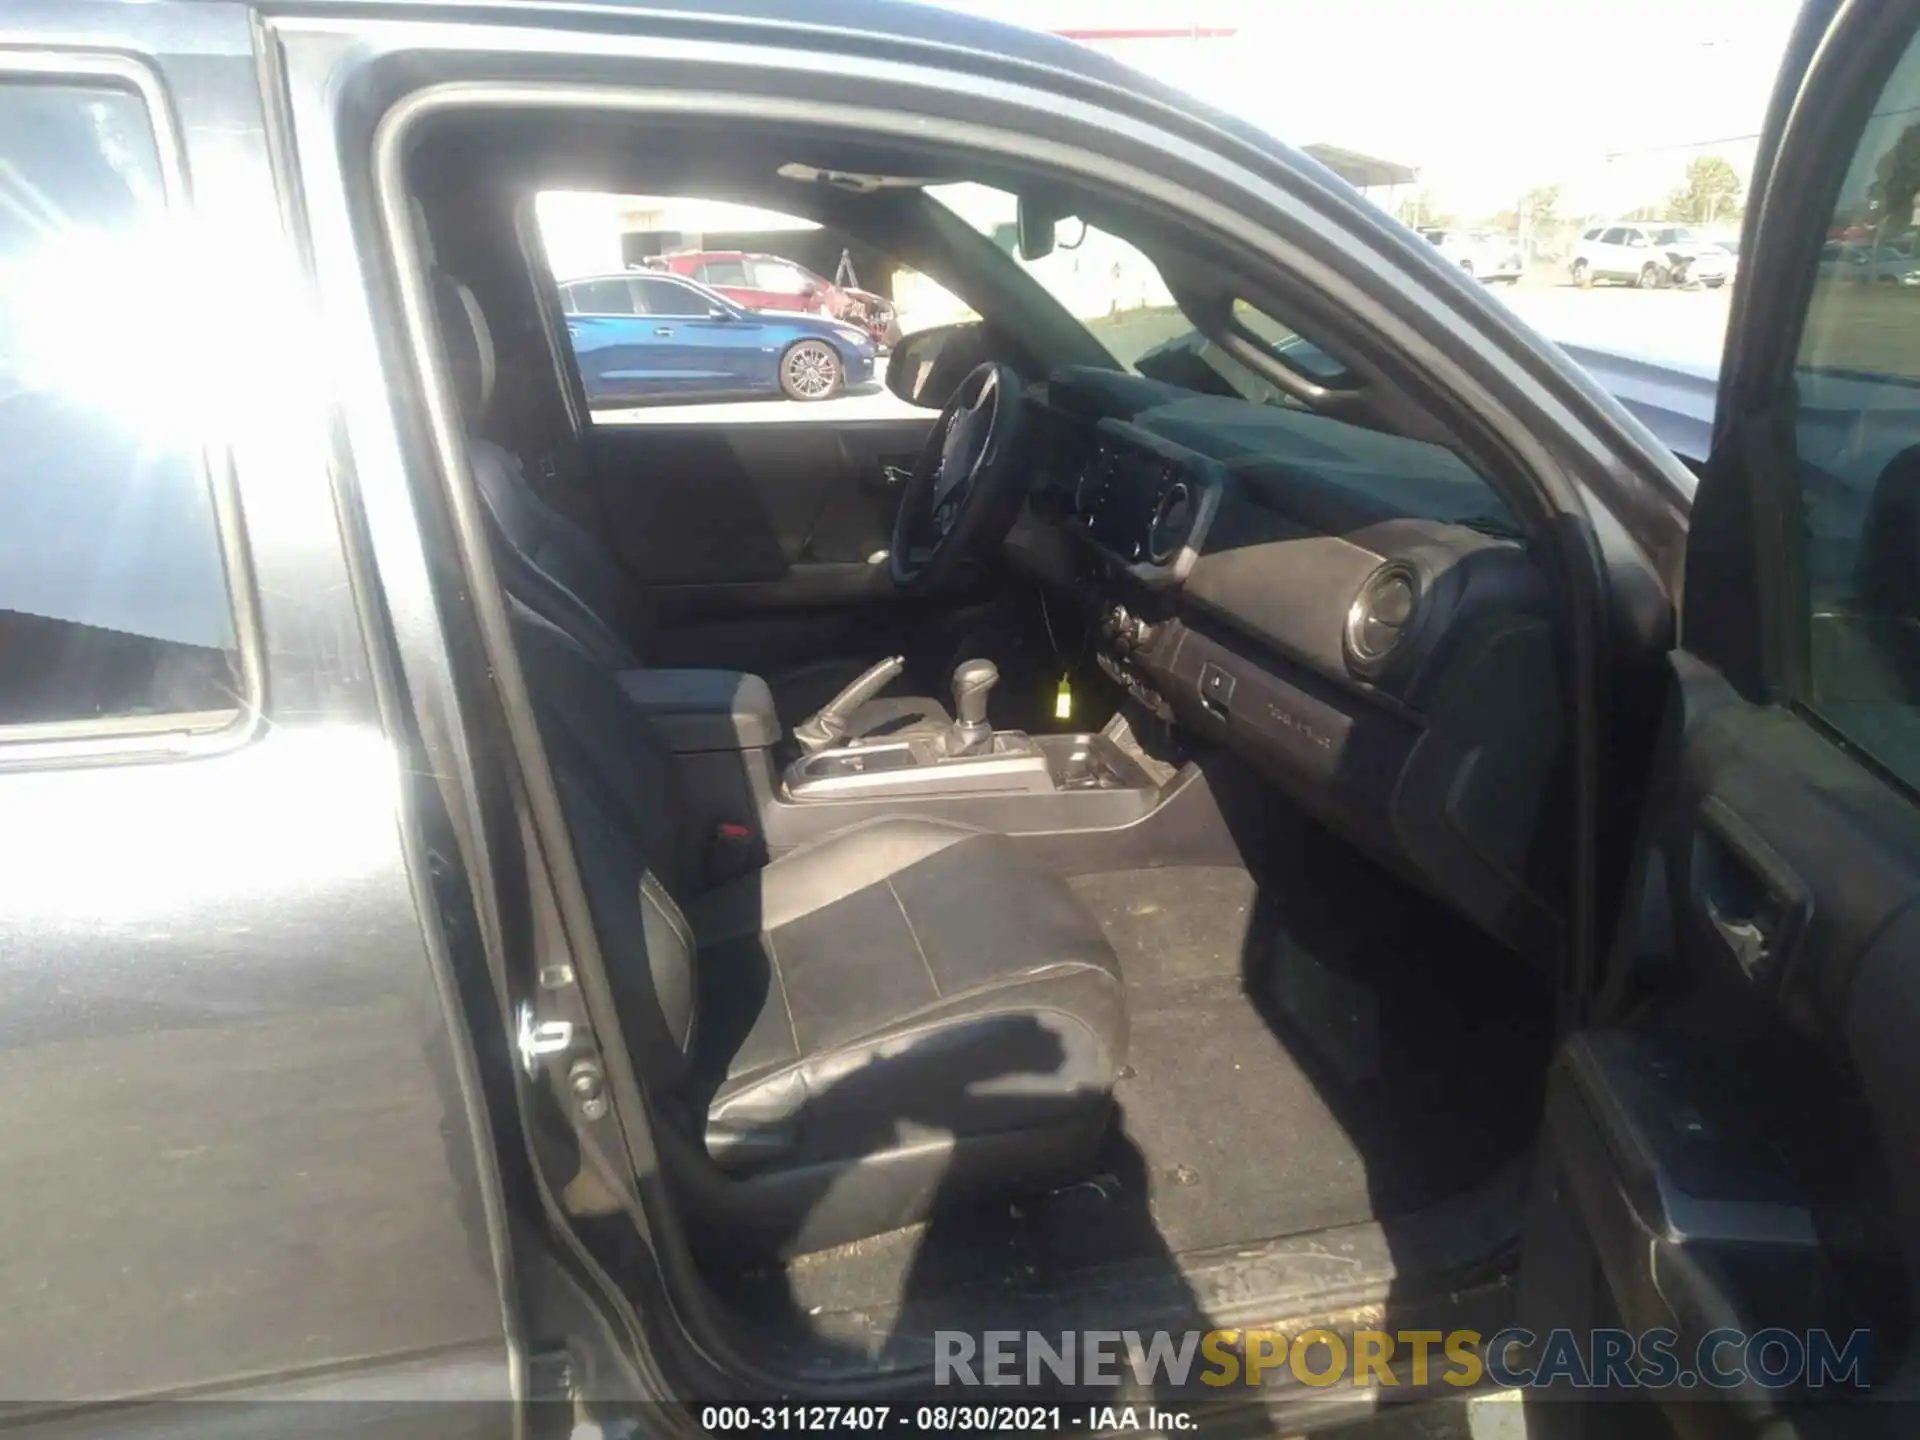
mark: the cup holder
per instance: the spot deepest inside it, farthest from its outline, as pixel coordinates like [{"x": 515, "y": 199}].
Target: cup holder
[{"x": 1082, "y": 762}]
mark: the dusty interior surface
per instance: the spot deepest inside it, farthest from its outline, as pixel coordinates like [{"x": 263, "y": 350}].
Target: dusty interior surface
[{"x": 1319, "y": 1051}]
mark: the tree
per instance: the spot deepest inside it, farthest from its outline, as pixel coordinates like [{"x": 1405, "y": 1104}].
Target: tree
[
  {"x": 1712, "y": 192},
  {"x": 1896, "y": 182},
  {"x": 1420, "y": 210},
  {"x": 1540, "y": 206}
]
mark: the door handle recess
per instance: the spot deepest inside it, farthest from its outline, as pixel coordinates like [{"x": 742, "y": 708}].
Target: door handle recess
[
  {"x": 663, "y": 329},
  {"x": 1751, "y": 902},
  {"x": 1747, "y": 939}
]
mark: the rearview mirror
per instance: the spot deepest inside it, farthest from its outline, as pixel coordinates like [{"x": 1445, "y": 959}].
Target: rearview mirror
[{"x": 1036, "y": 222}]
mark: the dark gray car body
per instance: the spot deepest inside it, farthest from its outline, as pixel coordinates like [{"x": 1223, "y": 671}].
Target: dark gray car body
[{"x": 244, "y": 1144}]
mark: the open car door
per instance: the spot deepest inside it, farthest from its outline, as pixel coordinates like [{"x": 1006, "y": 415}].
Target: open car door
[{"x": 1730, "y": 1162}]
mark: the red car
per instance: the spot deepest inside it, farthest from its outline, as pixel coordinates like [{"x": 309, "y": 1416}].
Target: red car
[{"x": 768, "y": 282}]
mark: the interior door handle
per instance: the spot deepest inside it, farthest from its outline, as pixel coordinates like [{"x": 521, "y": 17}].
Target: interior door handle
[
  {"x": 1746, "y": 895},
  {"x": 1748, "y": 939}
]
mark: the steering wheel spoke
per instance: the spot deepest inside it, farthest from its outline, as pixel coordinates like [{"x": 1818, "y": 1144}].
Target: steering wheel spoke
[{"x": 956, "y": 499}]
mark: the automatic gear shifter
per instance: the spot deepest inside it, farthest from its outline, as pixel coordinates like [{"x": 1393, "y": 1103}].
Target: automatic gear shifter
[{"x": 970, "y": 734}]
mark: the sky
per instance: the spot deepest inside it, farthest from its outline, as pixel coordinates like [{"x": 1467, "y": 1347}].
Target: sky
[{"x": 1608, "y": 98}]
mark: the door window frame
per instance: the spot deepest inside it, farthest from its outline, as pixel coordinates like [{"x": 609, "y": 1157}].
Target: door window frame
[
  {"x": 169, "y": 734},
  {"x": 1748, "y": 604}
]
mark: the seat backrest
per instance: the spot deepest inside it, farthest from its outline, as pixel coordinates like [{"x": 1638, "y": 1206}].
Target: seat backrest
[
  {"x": 546, "y": 561},
  {"x": 637, "y": 851},
  {"x": 551, "y": 566}
]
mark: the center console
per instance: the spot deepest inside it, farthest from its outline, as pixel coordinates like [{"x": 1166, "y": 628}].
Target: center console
[
  {"x": 917, "y": 765},
  {"x": 723, "y": 729},
  {"x": 967, "y": 757}
]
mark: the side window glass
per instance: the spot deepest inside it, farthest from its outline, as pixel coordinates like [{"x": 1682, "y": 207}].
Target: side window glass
[
  {"x": 603, "y": 297},
  {"x": 664, "y": 297},
  {"x": 752, "y": 350},
  {"x": 114, "y": 600},
  {"x": 779, "y": 277},
  {"x": 1857, "y": 430},
  {"x": 724, "y": 272}
]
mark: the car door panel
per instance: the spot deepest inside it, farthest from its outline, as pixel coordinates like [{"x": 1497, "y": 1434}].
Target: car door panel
[
  {"x": 731, "y": 356},
  {"x": 1734, "y": 1146},
  {"x": 1733, "y": 1140},
  {"x": 753, "y": 513},
  {"x": 623, "y": 356}
]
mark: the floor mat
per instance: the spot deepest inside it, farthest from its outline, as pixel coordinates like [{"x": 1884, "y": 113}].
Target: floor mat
[{"x": 1293, "y": 1069}]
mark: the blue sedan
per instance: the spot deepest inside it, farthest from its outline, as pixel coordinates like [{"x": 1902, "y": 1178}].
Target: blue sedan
[{"x": 641, "y": 336}]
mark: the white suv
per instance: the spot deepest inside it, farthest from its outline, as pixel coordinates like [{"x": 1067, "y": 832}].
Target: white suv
[
  {"x": 1485, "y": 254},
  {"x": 1648, "y": 255}
]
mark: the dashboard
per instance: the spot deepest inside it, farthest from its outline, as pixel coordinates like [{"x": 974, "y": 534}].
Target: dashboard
[
  {"x": 1349, "y": 611},
  {"x": 1144, "y": 503}
]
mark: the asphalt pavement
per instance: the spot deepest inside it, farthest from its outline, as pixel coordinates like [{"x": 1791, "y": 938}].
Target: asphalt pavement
[{"x": 1682, "y": 328}]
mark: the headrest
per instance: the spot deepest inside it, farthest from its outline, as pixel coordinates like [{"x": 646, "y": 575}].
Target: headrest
[{"x": 469, "y": 342}]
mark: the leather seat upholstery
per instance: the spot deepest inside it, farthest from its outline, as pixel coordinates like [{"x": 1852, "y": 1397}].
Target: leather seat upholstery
[
  {"x": 561, "y": 573},
  {"x": 899, "y": 1017}
]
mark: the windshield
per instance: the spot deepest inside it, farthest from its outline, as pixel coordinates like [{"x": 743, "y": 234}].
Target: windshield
[
  {"x": 1107, "y": 284},
  {"x": 1115, "y": 290}
]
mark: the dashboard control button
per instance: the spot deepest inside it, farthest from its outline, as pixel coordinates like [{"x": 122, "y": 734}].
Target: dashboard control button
[{"x": 1216, "y": 687}]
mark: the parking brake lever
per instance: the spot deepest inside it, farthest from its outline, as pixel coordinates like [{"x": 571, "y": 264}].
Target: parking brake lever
[{"x": 831, "y": 722}]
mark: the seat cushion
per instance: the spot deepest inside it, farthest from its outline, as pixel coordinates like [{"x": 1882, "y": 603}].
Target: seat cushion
[{"x": 899, "y": 981}]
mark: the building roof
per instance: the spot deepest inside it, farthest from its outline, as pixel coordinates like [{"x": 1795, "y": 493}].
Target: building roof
[{"x": 1362, "y": 171}]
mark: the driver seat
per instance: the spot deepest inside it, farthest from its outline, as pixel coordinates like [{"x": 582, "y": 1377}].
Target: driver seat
[{"x": 563, "y": 575}]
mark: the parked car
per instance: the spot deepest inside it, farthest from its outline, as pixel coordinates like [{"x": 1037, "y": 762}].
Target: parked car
[
  {"x": 641, "y": 337},
  {"x": 1647, "y": 255},
  {"x": 1484, "y": 254},
  {"x": 1730, "y": 249},
  {"x": 1888, "y": 262},
  {"x": 520, "y": 923},
  {"x": 769, "y": 282}
]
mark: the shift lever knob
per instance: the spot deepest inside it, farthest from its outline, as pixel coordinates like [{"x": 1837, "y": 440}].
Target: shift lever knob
[
  {"x": 970, "y": 734},
  {"x": 972, "y": 680}
]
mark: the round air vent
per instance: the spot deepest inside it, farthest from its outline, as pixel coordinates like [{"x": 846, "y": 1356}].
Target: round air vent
[
  {"x": 1172, "y": 523},
  {"x": 1381, "y": 614}
]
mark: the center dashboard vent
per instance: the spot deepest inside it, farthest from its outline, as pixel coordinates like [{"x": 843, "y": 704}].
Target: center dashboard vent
[
  {"x": 1171, "y": 525},
  {"x": 1381, "y": 616}
]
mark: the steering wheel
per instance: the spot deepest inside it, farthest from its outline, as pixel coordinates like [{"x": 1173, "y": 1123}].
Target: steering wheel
[{"x": 962, "y": 494}]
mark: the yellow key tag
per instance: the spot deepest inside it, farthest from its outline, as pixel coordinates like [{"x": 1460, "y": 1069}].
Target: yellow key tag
[{"x": 1063, "y": 701}]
